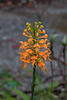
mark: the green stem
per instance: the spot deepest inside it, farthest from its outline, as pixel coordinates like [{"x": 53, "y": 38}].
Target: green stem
[
  {"x": 51, "y": 69},
  {"x": 34, "y": 69},
  {"x": 64, "y": 54},
  {"x": 33, "y": 83}
]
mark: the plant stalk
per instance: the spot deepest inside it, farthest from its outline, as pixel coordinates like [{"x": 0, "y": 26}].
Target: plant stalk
[
  {"x": 65, "y": 88},
  {"x": 34, "y": 69},
  {"x": 33, "y": 83},
  {"x": 51, "y": 69}
]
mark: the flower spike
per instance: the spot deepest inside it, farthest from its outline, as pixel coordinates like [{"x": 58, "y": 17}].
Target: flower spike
[{"x": 32, "y": 49}]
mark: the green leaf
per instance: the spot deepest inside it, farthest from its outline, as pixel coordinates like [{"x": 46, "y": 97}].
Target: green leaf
[
  {"x": 64, "y": 41},
  {"x": 38, "y": 80},
  {"x": 12, "y": 83},
  {"x": 53, "y": 37},
  {"x": 5, "y": 73},
  {"x": 55, "y": 84},
  {"x": 11, "y": 98},
  {"x": 22, "y": 94},
  {"x": 29, "y": 70},
  {"x": 5, "y": 93}
]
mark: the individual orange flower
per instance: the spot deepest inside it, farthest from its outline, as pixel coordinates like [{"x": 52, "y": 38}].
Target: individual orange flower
[
  {"x": 45, "y": 57},
  {"x": 25, "y": 44},
  {"x": 48, "y": 44},
  {"x": 37, "y": 49},
  {"x": 41, "y": 63},
  {"x": 45, "y": 36},
  {"x": 25, "y": 65},
  {"x": 44, "y": 68},
  {"x": 21, "y": 42},
  {"x": 46, "y": 51},
  {"x": 25, "y": 54},
  {"x": 41, "y": 53},
  {"x": 33, "y": 62},
  {"x": 36, "y": 45},
  {"x": 29, "y": 51},
  {"x": 41, "y": 41},
  {"x": 34, "y": 57}
]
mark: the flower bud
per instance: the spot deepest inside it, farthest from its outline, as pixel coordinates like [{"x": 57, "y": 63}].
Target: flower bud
[
  {"x": 29, "y": 29},
  {"x": 43, "y": 31},
  {"x": 39, "y": 23},
  {"x": 41, "y": 26},
  {"x": 29, "y": 40},
  {"x": 24, "y": 34},
  {"x": 27, "y": 23},
  {"x": 35, "y": 23},
  {"x": 37, "y": 26},
  {"x": 25, "y": 30},
  {"x": 37, "y": 34},
  {"x": 39, "y": 31},
  {"x": 45, "y": 36}
]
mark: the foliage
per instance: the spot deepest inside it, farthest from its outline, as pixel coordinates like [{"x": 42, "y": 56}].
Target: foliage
[
  {"x": 22, "y": 94},
  {"x": 7, "y": 83},
  {"x": 64, "y": 41},
  {"x": 40, "y": 91},
  {"x": 53, "y": 38}
]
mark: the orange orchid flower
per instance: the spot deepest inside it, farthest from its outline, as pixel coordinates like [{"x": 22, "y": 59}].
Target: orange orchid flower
[
  {"x": 29, "y": 51},
  {"x": 41, "y": 63},
  {"x": 36, "y": 45},
  {"x": 41, "y": 53},
  {"x": 25, "y": 44},
  {"x": 33, "y": 62},
  {"x": 34, "y": 57},
  {"x": 41, "y": 41}
]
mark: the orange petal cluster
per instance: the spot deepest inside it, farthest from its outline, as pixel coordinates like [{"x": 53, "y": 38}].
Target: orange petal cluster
[{"x": 32, "y": 49}]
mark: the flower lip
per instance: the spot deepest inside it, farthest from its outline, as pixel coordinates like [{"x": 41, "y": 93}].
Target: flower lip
[{"x": 41, "y": 41}]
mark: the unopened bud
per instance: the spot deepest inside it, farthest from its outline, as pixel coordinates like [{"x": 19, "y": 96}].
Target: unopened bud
[
  {"x": 41, "y": 26},
  {"x": 37, "y": 34},
  {"x": 39, "y": 23},
  {"x": 25, "y": 30},
  {"x": 27, "y": 23},
  {"x": 29, "y": 29},
  {"x": 24, "y": 34},
  {"x": 43, "y": 31},
  {"x": 35, "y": 23},
  {"x": 37, "y": 26}
]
